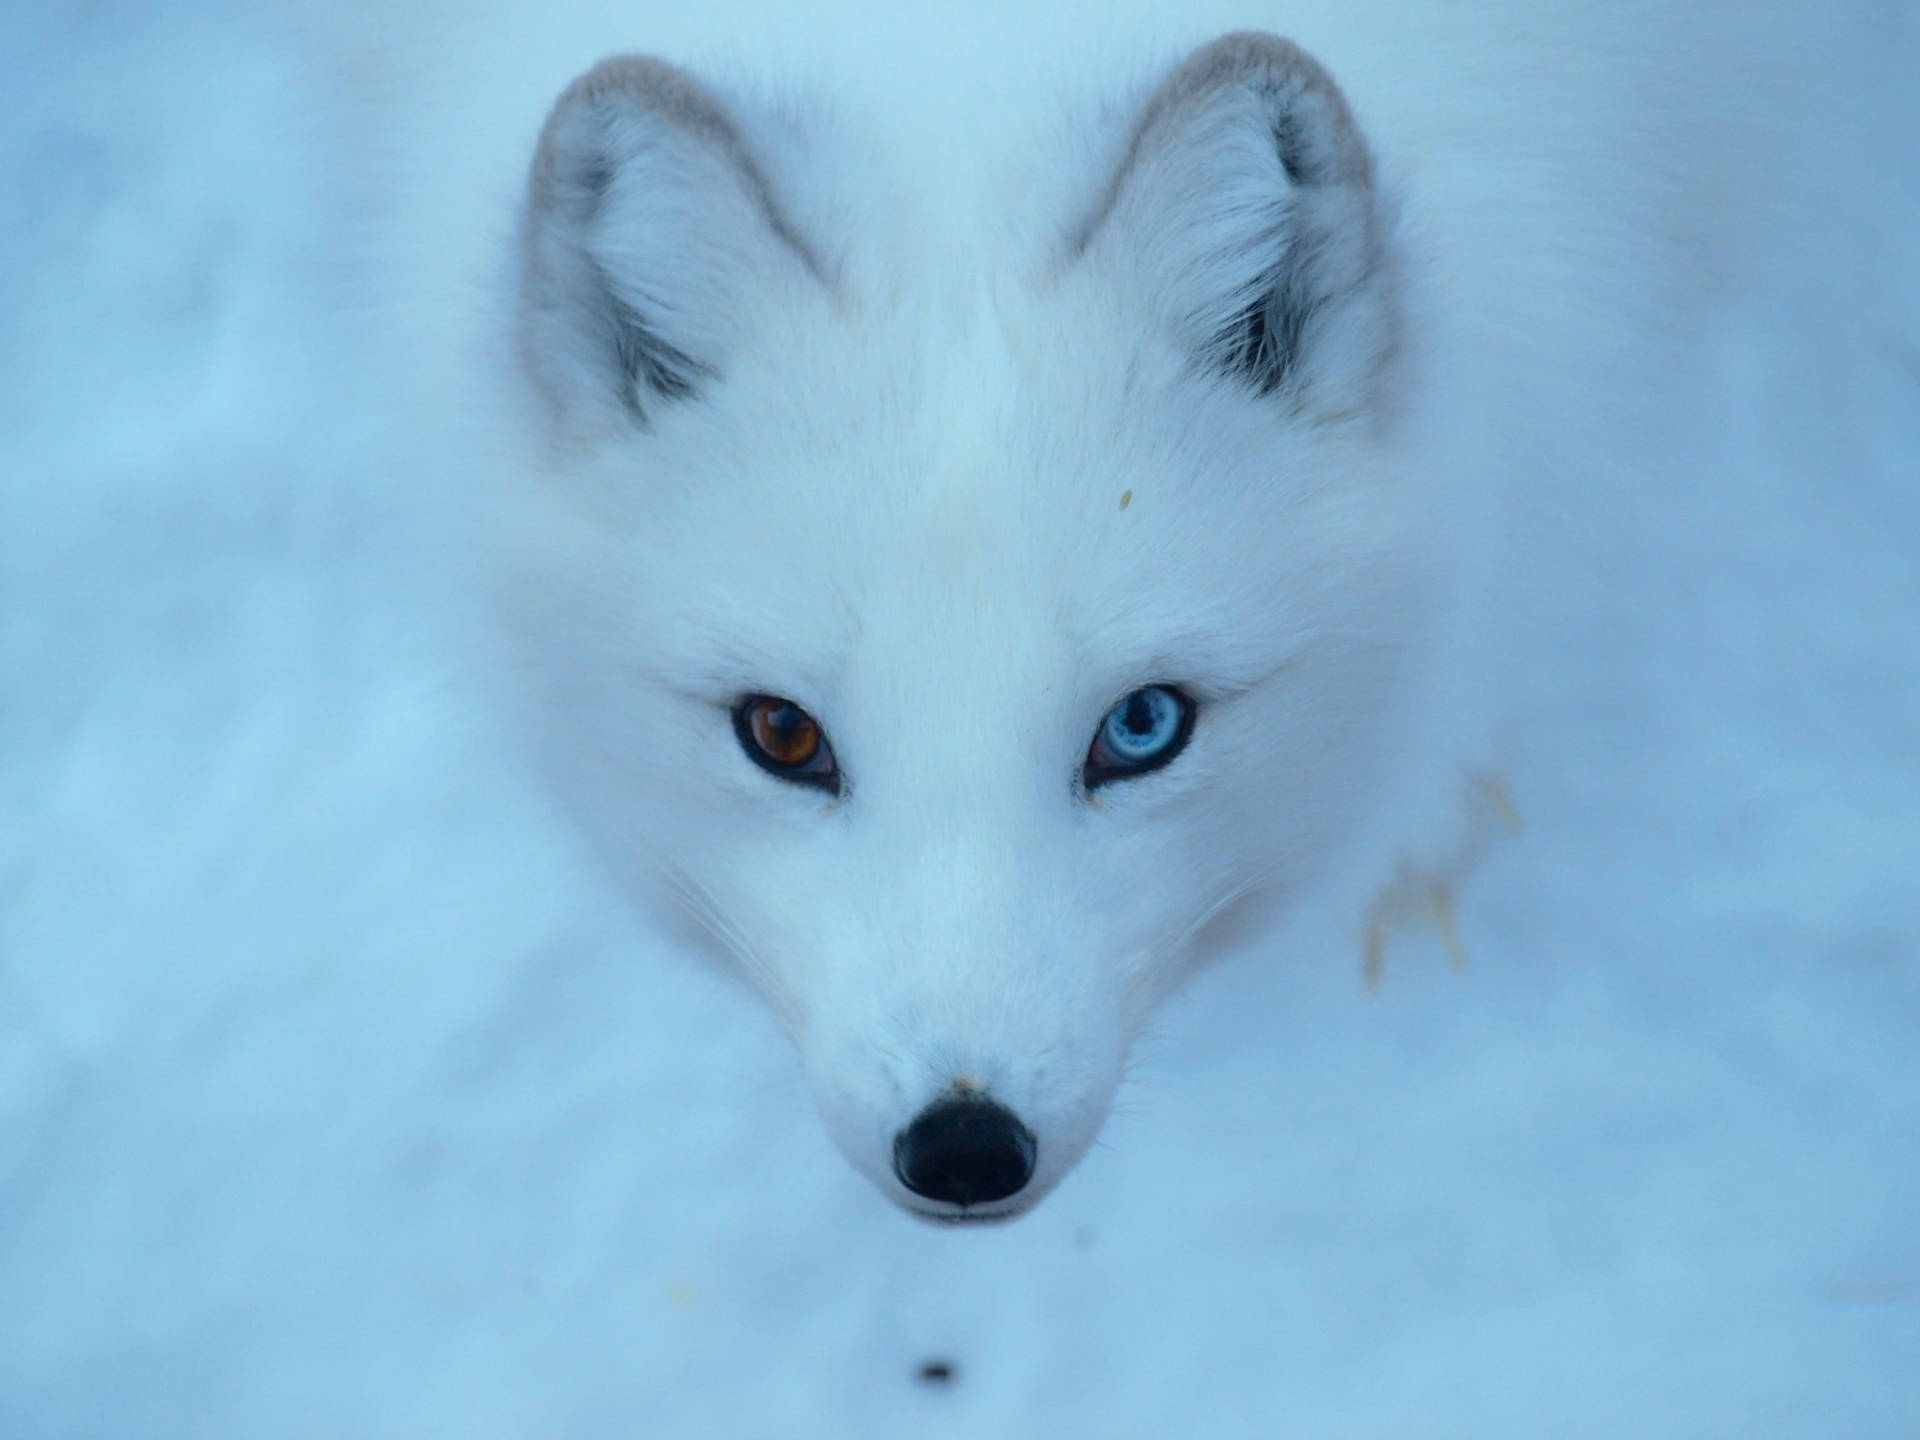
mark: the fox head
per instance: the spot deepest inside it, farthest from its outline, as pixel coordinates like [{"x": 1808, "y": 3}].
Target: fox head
[{"x": 956, "y": 619}]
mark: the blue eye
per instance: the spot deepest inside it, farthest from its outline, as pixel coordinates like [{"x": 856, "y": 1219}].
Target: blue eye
[{"x": 1143, "y": 732}]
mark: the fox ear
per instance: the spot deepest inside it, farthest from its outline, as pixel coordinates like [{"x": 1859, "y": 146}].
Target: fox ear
[
  {"x": 649, "y": 234},
  {"x": 1245, "y": 211}
]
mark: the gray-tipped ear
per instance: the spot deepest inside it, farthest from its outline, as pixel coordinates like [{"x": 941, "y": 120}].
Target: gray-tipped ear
[
  {"x": 1245, "y": 210},
  {"x": 650, "y": 233}
]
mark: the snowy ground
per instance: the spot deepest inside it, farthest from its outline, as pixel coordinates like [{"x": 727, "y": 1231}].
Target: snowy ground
[{"x": 337, "y": 1100}]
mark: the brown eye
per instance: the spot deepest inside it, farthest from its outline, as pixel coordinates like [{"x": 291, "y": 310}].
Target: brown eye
[
  {"x": 785, "y": 733},
  {"x": 785, "y": 740}
]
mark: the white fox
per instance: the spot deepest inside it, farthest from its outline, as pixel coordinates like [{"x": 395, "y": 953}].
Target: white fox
[{"x": 971, "y": 565}]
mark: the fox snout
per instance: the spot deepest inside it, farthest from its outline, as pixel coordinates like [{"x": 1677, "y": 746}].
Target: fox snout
[
  {"x": 965, "y": 1151},
  {"x": 965, "y": 1115}
]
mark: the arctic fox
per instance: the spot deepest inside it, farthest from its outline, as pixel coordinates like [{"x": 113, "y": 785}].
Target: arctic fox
[{"x": 971, "y": 542}]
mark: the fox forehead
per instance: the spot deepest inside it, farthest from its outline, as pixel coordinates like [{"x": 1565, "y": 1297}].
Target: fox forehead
[
  {"x": 1008, "y": 434},
  {"x": 972, "y": 516}
]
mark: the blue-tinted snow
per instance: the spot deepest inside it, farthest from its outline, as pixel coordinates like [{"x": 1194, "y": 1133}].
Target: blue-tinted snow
[{"x": 337, "y": 1099}]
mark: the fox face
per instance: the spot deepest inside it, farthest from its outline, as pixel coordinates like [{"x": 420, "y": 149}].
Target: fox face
[{"x": 956, "y": 624}]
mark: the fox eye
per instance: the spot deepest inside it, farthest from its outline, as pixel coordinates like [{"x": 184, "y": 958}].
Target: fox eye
[
  {"x": 785, "y": 740},
  {"x": 1144, "y": 731}
]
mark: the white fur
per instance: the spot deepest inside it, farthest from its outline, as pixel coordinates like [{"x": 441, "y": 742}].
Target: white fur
[{"x": 964, "y": 473}]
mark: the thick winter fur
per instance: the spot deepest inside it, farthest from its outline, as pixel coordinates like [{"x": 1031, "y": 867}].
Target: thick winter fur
[{"x": 957, "y": 408}]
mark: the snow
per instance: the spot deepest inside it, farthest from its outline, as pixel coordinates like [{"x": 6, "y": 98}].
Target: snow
[{"x": 337, "y": 1098}]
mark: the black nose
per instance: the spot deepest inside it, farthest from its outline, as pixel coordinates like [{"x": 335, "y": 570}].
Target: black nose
[{"x": 966, "y": 1152}]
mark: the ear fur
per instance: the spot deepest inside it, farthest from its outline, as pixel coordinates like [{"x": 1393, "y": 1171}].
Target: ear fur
[
  {"x": 648, "y": 233},
  {"x": 1245, "y": 207}
]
